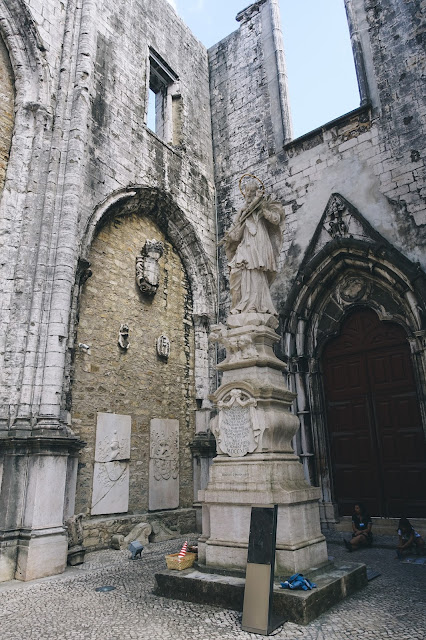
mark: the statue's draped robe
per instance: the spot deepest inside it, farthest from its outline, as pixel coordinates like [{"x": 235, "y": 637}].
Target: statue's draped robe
[{"x": 252, "y": 248}]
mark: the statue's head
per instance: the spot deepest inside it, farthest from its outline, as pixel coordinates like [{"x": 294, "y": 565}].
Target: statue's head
[{"x": 251, "y": 190}]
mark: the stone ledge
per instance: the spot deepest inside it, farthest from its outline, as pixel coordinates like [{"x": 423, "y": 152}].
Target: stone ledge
[{"x": 334, "y": 583}]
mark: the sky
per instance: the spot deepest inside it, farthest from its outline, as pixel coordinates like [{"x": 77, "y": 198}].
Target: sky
[{"x": 321, "y": 74}]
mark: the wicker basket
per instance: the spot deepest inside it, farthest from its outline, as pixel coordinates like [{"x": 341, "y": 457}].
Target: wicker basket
[{"x": 173, "y": 562}]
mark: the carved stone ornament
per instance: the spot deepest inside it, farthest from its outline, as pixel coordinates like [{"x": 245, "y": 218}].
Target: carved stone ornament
[
  {"x": 237, "y": 347},
  {"x": 76, "y": 551},
  {"x": 123, "y": 337},
  {"x": 337, "y": 227},
  {"x": 353, "y": 289},
  {"x": 147, "y": 267},
  {"x": 75, "y": 530},
  {"x": 163, "y": 347},
  {"x": 165, "y": 455},
  {"x": 236, "y": 430},
  {"x": 114, "y": 448}
]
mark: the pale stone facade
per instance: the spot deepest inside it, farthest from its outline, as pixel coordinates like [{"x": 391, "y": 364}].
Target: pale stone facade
[{"x": 87, "y": 184}]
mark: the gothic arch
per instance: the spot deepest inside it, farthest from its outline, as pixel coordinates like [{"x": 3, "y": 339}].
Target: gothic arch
[
  {"x": 160, "y": 207},
  {"x": 26, "y": 51},
  {"x": 347, "y": 265}
]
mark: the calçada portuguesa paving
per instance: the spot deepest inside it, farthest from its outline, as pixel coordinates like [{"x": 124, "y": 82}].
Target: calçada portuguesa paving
[{"x": 67, "y": 607}]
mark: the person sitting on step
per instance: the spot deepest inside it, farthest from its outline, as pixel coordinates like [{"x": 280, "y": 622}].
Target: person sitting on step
[
  {"x": 408, "y": 538},
  {"x": 361, "y": 529}
]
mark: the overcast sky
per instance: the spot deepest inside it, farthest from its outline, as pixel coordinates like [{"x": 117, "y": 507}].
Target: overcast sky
[{"x": 321, "y": 74}]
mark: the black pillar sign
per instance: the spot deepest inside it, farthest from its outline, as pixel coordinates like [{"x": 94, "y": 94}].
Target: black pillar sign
[{"x": 258, "y": 594}]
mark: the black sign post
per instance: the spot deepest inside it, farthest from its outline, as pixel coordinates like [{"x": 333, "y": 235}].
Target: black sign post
[{"x": 258, "y": 593}]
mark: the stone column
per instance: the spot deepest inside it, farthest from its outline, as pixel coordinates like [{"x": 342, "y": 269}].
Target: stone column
[{"x": 256, "y": 463}]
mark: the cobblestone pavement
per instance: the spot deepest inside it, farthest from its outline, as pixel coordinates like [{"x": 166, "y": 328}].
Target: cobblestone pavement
[{"x": 67, "y": 607}]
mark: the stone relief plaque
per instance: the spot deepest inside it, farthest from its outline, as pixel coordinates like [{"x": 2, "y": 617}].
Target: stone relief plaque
[
  {"x": 112, "y": 437},
  {"x": 110, "y": 492},
  {"x": 236, "y": 430},
  {"x": 110, "y": 488},
  {"x": 164, "y": 464}
]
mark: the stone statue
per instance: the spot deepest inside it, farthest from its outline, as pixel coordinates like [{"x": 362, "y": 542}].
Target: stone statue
[{"x": 252, "y": 247}]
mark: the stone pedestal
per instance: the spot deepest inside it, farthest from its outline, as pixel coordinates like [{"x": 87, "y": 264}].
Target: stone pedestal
[
  {"x": 256, "y": 464},
  {"x": 33, "y": 540}
]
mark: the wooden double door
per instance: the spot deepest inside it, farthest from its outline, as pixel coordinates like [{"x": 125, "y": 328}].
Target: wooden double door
[{"x": 377, "y": 443}]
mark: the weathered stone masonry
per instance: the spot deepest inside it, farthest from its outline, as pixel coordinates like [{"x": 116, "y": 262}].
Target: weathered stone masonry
[
  {"x": 87, "y": 183},
  {"x": 374, "y": 157},
  {"x": 80, "y": 153}
]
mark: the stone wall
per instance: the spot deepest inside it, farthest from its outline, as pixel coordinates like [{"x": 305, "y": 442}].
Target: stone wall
[
  {"x": 136, "y": 381},
  {"x": 81, "y": 140},
  {"x": 80, "y": 149},
  {"x": 373, "y": 157},
  {"x": 6, "y": 110},
  {"x": 122, "y": 150}
]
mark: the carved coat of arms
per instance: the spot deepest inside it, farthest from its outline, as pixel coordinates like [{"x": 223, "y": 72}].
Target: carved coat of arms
[
  {"x": 147, "y": 267},
  {"x": 236, "y": 430}
]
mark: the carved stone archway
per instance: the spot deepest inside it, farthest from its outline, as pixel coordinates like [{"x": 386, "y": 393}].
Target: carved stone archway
[
  {"x": 347, "y": 264},
  {"x": 163, "y": 210}
]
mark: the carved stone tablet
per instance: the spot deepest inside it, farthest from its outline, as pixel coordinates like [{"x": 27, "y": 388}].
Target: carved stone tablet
[
  {"x": 164, "y": 464},
  {"x": 237, "y": 432},
  {"x": 111, "y": 471},
  {"x": 110, "y": 488},
  {"x": 112, "y": 437}
]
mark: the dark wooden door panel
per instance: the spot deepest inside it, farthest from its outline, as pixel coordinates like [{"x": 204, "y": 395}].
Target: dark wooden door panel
[{"x": 377, "y": 445}]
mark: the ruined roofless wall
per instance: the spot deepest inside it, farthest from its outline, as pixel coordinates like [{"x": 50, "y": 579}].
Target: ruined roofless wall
[
  {"x": 374, "y": 157},
  {"x": 91, "y": 143}
]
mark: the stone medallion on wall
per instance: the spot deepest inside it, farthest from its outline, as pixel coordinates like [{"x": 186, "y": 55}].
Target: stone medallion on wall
[
  {"x": 111, "y": 469},
  {"x": 164, "y": 464},
  {"x": 353, "y": 289}
]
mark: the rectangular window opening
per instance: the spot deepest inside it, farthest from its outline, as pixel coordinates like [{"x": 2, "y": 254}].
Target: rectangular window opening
[{"x": 164, "y": 113}]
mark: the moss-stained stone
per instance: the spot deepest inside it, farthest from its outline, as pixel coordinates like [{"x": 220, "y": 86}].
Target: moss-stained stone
[{"x": 135, "y": 382}]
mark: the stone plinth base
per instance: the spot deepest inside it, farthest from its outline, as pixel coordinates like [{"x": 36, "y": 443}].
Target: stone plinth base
[
  {"x": 334, "y": 583},
  {"x": 43, "y": 554},
  {"x": 238, "y": 483}
]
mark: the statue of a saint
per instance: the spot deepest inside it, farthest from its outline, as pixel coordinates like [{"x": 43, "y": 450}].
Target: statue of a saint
[{"x": 252, "y": 246}]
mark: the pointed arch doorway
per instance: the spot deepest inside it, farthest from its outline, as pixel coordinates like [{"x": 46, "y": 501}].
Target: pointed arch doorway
[{"x": 377, "y": 445}]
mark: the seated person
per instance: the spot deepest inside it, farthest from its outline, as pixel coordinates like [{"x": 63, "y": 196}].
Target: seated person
[
  {"x": 408, "y": 538},
  {"x": 361, "y": 529}
]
